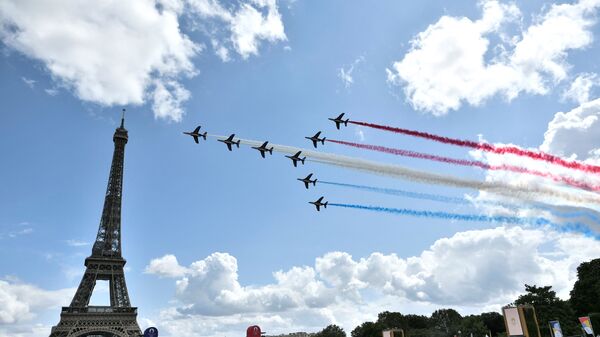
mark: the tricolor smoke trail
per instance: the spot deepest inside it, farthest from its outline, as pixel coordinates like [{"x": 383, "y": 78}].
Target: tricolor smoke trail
[
  {"x": 472, "y": 163},
  {"x": 487, "y": 147},
  {"x": 464, "y": 201},
  {"x": 569, "y": 227},
  {"x": 517, "y": 191}
]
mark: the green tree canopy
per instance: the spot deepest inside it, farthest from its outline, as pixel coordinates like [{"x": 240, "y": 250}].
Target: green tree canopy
[
  {"x": 494, "y": 322},
  {"x": 585, "y": 296},
  {"x": 331, "y": 331},
  {"x": 446, "y": 320},
  {"x": 367, "y": 329},
  {"x": 549, "y": 307},
  {"x": 473, "y": 325}
]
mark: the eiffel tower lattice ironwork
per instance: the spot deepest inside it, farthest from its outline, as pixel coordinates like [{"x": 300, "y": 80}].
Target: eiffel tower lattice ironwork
[{"x": 119, "y": 319}]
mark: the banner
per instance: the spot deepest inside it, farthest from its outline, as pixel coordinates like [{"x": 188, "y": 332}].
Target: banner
[
  {"x": 586, "y": 324},
  {"x": 555, "y": 328},
  {"x": 513, "y": 322}
]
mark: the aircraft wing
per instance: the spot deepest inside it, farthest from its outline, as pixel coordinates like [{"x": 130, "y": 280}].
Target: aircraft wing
[
  {"x": 306, "y": 184},
  {"x": 318, "y": 207},
  {"x": 195, "y": 138},
  {"x": 262, "y": 153},
  {"x": 228, "y": 146},
  {"x": 197, "y": 129}
]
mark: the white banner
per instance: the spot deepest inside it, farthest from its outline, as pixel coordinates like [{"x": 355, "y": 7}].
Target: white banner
[{"x": 513, "y": 322}]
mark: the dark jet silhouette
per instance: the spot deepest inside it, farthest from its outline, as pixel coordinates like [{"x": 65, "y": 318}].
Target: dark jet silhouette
[
  {"x": 296, "y": 158},
  {"x": 339, "y": 121},
  {"x": 263, "y": 148},
  {"x": 316, "y": 139},
  {"x": 318, "y": 203},
  {"x": 229, "y": 141},
  {"x": 196, "y": 133},
  {"x": 307, "y": 180}
]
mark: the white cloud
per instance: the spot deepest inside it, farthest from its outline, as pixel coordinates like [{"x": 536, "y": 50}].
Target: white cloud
[
  {"x": 448, "y": 63},
  {"x": 345, "y": 73},
  {"x": 575, "y": 133},
  {"x": 29, "y": 82},
  {"x": 115, "y": 53},
  {"x": 459, "y": 271},
  {"x": 77, "y": 243},
  {"x": 20, "y": 302},
  {"x": 109, "y": 53},
  {"x": 166, "y": 266},
  {"x": 580, "y": 88},
  {"x": 247, "y": 25}
]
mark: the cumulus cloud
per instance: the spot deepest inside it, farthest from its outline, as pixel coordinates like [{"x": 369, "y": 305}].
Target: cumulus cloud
[
  {"x": 575, "y": 133},
  {"x": 166, "y": 266},
  {"x": 246, "y": 25},
  {"x": 115, "y": 53},
  {"x": 20, "y": 302},
  {"x": 580, "y": 89},
  {"x": 449, "y": 63},
  {"x": 460, "y": 271}
]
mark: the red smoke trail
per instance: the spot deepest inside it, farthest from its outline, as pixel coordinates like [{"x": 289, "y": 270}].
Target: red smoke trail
[
  {"x": 538, "y": 155},
  {"x": 474, "y": 163}
]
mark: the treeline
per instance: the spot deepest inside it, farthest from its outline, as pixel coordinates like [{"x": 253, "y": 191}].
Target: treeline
[{"x": 584, "y": 299}]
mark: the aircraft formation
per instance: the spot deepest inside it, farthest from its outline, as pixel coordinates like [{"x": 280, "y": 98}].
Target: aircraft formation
[{"x": 264, "y": 148}]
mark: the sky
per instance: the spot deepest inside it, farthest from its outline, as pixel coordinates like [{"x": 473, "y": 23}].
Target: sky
[{"x": 216, "y": 241}]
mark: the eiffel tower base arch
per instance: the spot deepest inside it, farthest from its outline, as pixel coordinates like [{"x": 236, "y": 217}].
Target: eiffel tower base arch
[{"x": 97, "y": 322}]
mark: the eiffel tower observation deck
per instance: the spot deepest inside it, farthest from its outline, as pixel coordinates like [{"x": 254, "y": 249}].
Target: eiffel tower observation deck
[{"x": 105, "y": 263}]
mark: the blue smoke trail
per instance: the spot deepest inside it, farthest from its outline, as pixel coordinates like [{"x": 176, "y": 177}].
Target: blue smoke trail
[
  {"x": 538, "y": 222},
  {"x": 462, "y": 201}
]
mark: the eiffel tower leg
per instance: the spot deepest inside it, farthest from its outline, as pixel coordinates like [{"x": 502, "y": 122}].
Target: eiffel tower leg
[{"x": 85, "y": 289}]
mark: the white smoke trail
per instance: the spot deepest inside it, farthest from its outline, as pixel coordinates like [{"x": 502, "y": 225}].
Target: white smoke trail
[{"x": 520, "y": 191}]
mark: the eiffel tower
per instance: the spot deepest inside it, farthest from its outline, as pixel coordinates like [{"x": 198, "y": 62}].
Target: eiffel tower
[{"x": 106, "y": 263}]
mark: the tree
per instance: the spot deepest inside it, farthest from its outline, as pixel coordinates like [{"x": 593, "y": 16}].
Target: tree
[
  {"x": 548, "y": 307},
  {"x": 586, "y": 291},
  {"x": 494, "y": 322},
  {"x": 367, "y": 329},
  {"x": 446, "y": 320},
  {"x": 391, "y": 320},
  {"x": 331, "y": 331},
  {"x": 473, "y": 325},
  {"x": 416, "y": 321}
]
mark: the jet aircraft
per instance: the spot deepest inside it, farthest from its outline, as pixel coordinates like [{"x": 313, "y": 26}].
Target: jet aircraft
[
  {"x": 338, "y": 120},
  {"x": 307, "y": 181},
  {"x": 196, "y": 133},
  {"x": 316, "y": 139},
  {"x": 318, "y": 203},
  {"x": 229, "y": 141},
  {"x": 296, "y": 158},
  {"x": 263, "y": 148}
]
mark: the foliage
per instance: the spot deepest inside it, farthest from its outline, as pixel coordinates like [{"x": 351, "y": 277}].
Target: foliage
[
  {"x": 549, "y": 307},
  {"x": 494, "y": 322},
  {"x": 331, "y": 331},
  {"x": 586, "y": 291},
  {"x": 473, "y": 325},
  {"x": 446, "y": 320},
  {"x": 367, "y": 329}
]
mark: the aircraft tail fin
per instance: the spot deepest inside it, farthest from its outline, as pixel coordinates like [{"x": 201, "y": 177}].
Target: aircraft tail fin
[
  {"x": 314, "y": 182},
  {"x": 302, "y": 160},
  {"x": 325, "y": 204},
  {"x": 323, "y": 140},
  {"x": 271, "y": 150},
  {"x": 203, "y": 135},
  {"x": 346, "y": 122},
  {"x": 238, "y": 143}
]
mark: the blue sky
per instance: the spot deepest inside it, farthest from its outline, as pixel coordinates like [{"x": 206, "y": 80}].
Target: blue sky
[{"x": 218, "y": 240}]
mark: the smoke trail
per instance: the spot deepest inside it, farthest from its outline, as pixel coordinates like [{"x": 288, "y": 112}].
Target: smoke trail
[
  {"x": 569, "y": 227},
  {"x": 465, "y": 201},
  {"x": 518, "y": 191},
  {"x": 472, "y": 163},
  {"x": 487, "y": 147}
]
